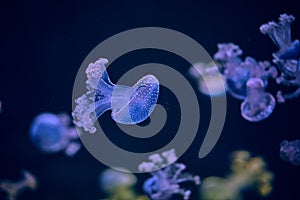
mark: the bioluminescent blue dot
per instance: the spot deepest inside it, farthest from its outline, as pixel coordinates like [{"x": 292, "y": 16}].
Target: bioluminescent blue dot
[
  {"x": 258, "y": 105},
  {"x": 290, "y": 151},
  {"x": 129, "y": 104},
  {"x": 51, "y": 133}
]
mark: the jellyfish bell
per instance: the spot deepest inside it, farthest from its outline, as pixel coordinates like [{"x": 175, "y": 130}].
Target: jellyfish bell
[
  {"x": 289, "y": 151},
  {"x": 236, "y": 85},
  {"x": 210, "y": 81},
  {"x": 51, "y": 133},
  {"x": 47, "y": 133},
  {"x": 259, "y": 104},
  {"x": 112, "y": 179},
  {"x": 138, "y": 103}
]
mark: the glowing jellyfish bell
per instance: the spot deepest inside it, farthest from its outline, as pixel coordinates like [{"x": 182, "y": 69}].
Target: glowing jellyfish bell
[
  {"x": 129, "y": 104},
  {"x": 210, "y": 81},
  {"x": 258, "y": 104},
  {"x": 290, "y": 151},
  {"x": 113, "y": 179},
  {"x": 51, "y": 133}
]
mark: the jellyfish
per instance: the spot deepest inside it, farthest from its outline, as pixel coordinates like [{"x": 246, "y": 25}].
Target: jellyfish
[
  {"x": 14, "y": 189},
  {"x": 129, "y": 104},
  {"x": 235, "y": 75},
  {"x": 209, "y": 80},
  {"x": 246, "y": 172},
  {"x": 290, "y": 151},
  {"x": 287, "y": 58},
  {"x": 52, "y": 133},
  {"x": 237, "y": 72},
  {"x": 118, "y": 183},
  {"x": 259, "y": 104},
  {"x": 165, "y": 182},
  {"x": 280, "y": 33}
]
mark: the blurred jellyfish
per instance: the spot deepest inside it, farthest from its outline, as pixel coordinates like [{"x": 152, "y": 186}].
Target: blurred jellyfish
[
  {"x": 165, "y": 182},
  {"x": 235, "y": 76},
  {"x": 52, "y": 133},
  {"x": 0, "y": 106},
  {"x": 288, "y": 55},
  {"x": 14, "y": 189},
  {"x": 258, "y": 105},
  {"x": 209, "y": 80},
  {"x": 246, "y": 172},
  {"x": 118, "y": 184},
  {"x": 129, "y": 105},
  {"x": 290, "y": 151},
  {"x": 237, "y": 72}
]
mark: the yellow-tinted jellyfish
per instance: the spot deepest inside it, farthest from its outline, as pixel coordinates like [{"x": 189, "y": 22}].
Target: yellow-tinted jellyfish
[
  {"x": 246, "y": 172},
  {"x": 14, "y": 189},
  {"x": 119, "y": 184}
]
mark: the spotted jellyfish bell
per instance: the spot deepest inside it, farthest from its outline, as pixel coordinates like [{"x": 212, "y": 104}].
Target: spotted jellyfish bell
[
  {"x": 258, "y": 105},
  {"x": 129, "y": 105}
]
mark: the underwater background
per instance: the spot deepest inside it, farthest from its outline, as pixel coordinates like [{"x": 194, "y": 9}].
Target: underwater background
[{"x": 43, "y": 44}]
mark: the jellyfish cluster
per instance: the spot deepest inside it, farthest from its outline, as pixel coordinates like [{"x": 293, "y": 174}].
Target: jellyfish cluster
[
  {"x": 129, "y": 104},
  {"x": 244, "y": 79},
  {"x": 246, "y": 173},
  {"x": 52, "y": 133},
  {"x": 248, "y": 79},
  {"x": 166, "y": 177},
  {"x": 14, "y": 189}
]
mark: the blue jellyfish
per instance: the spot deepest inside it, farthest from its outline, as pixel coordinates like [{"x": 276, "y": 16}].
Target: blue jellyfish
[
  {"x": 259, "y": 104},
  {"x": 165, "y": 182},
  {"x": 290, "y": 151},
  {"x": 51, "y": 133},
  {"x": 235, "y": 75},
  {"x": 129, "y": 105}
]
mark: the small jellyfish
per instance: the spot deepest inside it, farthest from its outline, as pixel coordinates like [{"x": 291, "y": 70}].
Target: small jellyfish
[
  {"x": 210, "y": 82},
  {"x": 165, "y": 182},
  {"x": 14, "y": 189},
  {"x": 52, "y": 133},
  {"x": 235, "y": 75},
  {"x": 118, "y": 183},
  {"x": 129, "y": 105},
  {"x": 258, "y": 105},
  {"x": 112, "y": 179},
  {"x": 0, "y": 106},
  {"x": 290, "y": 151}
]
